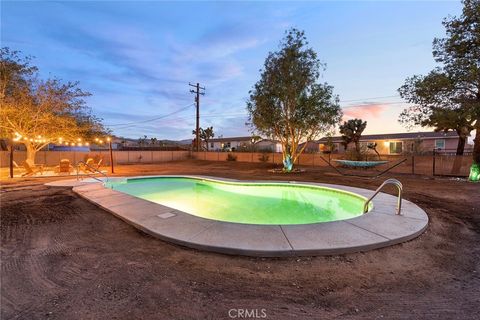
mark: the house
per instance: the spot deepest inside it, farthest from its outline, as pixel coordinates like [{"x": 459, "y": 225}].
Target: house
[
  {"x": 230, "y": 144},
  {"x": 268, "y": 145},
  {"x": 399, "y": 143},
  {"x": 311, "y": 147},
  {"x": 244, "y": 144}
]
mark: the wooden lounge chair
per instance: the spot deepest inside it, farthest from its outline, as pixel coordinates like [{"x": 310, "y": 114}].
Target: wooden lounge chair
[
  {"x": 64, "y": 167},
  {"x": 98, "y": 164},
  {"x": 31, "y": 168},
  {"x": 90, "y": 165}
]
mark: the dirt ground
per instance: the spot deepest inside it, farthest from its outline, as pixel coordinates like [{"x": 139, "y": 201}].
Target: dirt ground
[{"x": 64, "y": 258}]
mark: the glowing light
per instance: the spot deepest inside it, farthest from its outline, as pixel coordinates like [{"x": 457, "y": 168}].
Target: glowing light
[
  {"x": 18, "y": 136},
  {"x": 101, "y": 141},
  {"x": 474, "y": 173},
  {"x": 386, "y": 143},
  {"x": 108, "y": 139},
  {"x": 39, "y": 136},
  {"x": 96, "y": 139},
  {"x": 87, "y": 144},
  {"x": 79, "y": 139}
]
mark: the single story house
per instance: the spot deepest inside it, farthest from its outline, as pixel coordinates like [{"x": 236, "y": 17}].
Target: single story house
[
  {"x": 398, "y": 143},
  {"x": 268, "y": 145},
  {"x": 244, "y": 144},
  {"x": 312, "y": 146},
  {"x": 230, "y": 144}
]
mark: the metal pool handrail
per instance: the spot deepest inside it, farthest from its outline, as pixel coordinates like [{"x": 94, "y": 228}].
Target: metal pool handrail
[
  {"x": 396, "y": 183},
  {"x": 91, "y": 175}
]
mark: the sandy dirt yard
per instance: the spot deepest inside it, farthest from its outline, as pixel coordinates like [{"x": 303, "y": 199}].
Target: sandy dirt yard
[{"x": 64, "y": 258}]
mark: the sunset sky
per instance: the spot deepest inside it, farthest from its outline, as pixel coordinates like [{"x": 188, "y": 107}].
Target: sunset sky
[{"x": 137, "y": 58}]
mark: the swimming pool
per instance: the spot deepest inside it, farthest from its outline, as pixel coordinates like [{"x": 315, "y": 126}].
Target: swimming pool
[{"x": 249, "y": 203}]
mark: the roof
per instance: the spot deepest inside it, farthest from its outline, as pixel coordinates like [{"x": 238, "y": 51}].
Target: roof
[
  {"x": 401, "y": 136},
  {"x": 249, "y": 138}
]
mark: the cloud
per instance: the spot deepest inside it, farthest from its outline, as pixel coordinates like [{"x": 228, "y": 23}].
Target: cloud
[{"x": 364, "y": 111}]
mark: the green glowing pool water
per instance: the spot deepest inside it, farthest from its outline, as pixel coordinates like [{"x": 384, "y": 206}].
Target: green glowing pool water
[{"x": 251, "y": 203}]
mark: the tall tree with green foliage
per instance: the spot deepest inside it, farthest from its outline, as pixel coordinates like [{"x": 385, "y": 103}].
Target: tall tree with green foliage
[
  {"x": 449, "y": 96},
  {"x": 288, "y": 103},
  {"x": 37, "y": 112}
]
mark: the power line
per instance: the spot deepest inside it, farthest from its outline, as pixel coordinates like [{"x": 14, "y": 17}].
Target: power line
[
  {"x": 242, "y": 115},
  {"x": 152, "y": 119},
  {"x": 376, "y": 103},
  {"x": 239, "y": 115},
  {"x": 372, "y": 98}
]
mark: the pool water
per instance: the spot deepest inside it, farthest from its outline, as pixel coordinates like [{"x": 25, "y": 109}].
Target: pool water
[{"x": 250, "y": 203}]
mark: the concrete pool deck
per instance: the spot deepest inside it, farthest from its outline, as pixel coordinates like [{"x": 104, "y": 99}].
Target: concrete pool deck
[{"x": 378, "y": 228}]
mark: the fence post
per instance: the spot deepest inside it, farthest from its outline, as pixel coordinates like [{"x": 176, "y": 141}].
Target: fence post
[
  {"x": 413, "y": 164},
  {"x": 10, "y": 159},
  {"x": 433, "y": 162}
]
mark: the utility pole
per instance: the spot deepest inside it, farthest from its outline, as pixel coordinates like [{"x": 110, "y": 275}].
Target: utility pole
[{"x": 197, "y": 101}]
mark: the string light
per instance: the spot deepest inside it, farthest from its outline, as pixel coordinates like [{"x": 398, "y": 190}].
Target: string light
[{"x": 60, "y": 140}]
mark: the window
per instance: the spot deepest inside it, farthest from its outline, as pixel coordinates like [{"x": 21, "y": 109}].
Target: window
[
  {"x": 211, "y": 145},
  {"x": 440, "y": 144},
  {"x": 396, "y": 147}
]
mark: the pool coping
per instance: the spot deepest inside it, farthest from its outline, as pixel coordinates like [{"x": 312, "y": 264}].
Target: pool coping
[{"x": 378, "y": 228}]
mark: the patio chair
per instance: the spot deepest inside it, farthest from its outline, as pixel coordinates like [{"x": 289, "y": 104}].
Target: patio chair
[
  {"x": 64, "y": 167},
  {"x": 31, "y": 168},
  {"x": 98, "y": 164},
  {"x": 90, "y": 165}
]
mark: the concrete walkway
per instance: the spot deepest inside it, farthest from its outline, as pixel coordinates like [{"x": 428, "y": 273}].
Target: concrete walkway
[{"x": 378, "y": 228}]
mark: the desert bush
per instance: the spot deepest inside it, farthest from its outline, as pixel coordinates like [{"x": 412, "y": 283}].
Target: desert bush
[
  {"x": 354, "y": 155},
  {"x": 231, "y": 157},
  {"x": 264, "y": 157}
]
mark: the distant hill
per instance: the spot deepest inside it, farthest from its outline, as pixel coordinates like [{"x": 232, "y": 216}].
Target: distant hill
[{"x": 184, "y": 141}]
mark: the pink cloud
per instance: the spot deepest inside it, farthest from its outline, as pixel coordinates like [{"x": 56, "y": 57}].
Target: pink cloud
[{"x": 364, "y": 111}]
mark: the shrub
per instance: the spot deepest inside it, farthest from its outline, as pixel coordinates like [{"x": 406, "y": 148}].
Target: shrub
[
  {"x": 231, "y": 157},
  {"x": 264, "y": 157},
  {"x": 354, "y": 155}
]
